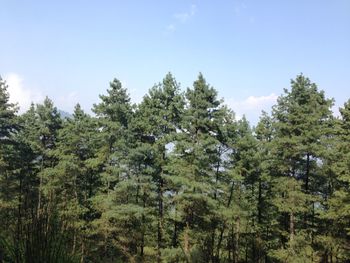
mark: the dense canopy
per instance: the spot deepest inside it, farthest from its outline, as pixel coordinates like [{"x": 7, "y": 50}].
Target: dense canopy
[{"x": 176, "y": 178}]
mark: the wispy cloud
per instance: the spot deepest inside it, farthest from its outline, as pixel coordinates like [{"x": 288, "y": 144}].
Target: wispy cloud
[
  {"x": 239, "y": 7},
  {"x": 242, "y": 11},
  {"x": 20, "y": 94},
  {"x": 252, "y": 106},
  {"x": 171, "y": 28},
  {"x": 252, "y": 19},
  {"x": 181, "y": 18},
  {"x": 185, "y": 16}
]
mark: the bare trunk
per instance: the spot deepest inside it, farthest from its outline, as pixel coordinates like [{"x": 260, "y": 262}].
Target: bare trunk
[
  {"x": 217, "y": 177},
  {"x": 39, "y": 197},
  {"x": 307, "y": 174},
  {"x": 187, "y": 240},
  {"x": 291, "y": 226},
  {"x": 215, "y": 257},
  {"x": 160, "y": 221},
  {"x": 74, "y": 242},
  {"x": 223, "y": 227},
  {"x": 77, "y": 201},
  {"x": 19, "y": 222},
  {"x": 40, "y": 186},
  {"x": 143, "y": 228},
  {"x": 236, "y": 252},
  {"x": 82, "y": 251},
  {"x": 174, "y": 239},
  {"x": 260, "y": 202}
]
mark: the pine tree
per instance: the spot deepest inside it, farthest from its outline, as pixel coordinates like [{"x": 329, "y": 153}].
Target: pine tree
[
  {"x": 76, "y": 172},
  {"x": 46, "y": 137},
  {"x": 336, "y": 216},
  {"x": 193, "y": 171},
  {"x": 8, "y": 126},
  {"x": 113, "y": 113},
  {"x": 39, "y": 138},
  {"x": 301, "y": 118},
  {"x": 10, "y": 178},
  {"x": 157, "y": 121},
  {"x": 266, "y": 212},
  {"x": 242, "y": 223},
  {"x": 175, "y": 179}
]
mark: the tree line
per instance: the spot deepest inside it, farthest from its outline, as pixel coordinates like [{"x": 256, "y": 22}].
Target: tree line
[{"x": 175, "y": 178}]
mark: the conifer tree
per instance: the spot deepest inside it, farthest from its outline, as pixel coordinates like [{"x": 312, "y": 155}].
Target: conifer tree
[
  {"x": 175, "y": 178},
  {"x": 76, "y": 152},
  {"x": 46, "y": 137},
  {"x": 10, "y": 179},
  {"x": 113, "y": 117},
  {"x": 157, "y": 121},
  {"x": 192, "y": 170},
  {"x": 266, "y": 212},
  {"x": 39, "y": 136},
  {"x": 301, "y": 118},
  {"x": 335, "y": 229},
  {"x": 8, "y": 126},
  {"x": 113, "y": 114}
]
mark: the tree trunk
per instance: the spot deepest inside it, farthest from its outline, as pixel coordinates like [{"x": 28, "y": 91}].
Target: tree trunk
[
  {"x": 160, "y": 221},
  {"x": 187, "y": 240},
  {"x": 143, "y": 227},
  {"x": 74, "y": 242},
  {"x": 307, "y": 174},
  {"x": 215, "y": 257},
  {"x": 291, "y": 227},
  {"x": 174, "y": 238},
  {"x": 260, "y": 202},
  {"x": 82, "y": 251},
  {"x": 223, "y": 227},
  {"x": 19, "y": 222},
  {"x": 236, "y": 252},
  {"x": 39, "y": 188}
]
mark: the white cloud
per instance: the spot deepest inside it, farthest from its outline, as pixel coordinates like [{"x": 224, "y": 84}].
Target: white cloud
[
  {"x": 20, "y": 94},
  {"x": 252, "y": 19},
  {"x": 253, "y": 102},
  {"x": 24, "y": 96},
  {"x": 184, "y": 17},
  {"x": 239, "y": 7},
  {"x": 252, "y": 106},
  {"x": 171, "y": 28},
  {"x": 181, "y": 18}
]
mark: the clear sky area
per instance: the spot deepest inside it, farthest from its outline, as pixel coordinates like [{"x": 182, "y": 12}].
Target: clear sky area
[{"x": 248, "y": 50}]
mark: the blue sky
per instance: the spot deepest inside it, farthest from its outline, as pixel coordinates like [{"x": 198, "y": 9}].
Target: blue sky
[{"x": 248, "y": 50}]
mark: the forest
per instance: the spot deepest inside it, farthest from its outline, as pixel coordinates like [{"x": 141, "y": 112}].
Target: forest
[{"x": 175, "y": 178}]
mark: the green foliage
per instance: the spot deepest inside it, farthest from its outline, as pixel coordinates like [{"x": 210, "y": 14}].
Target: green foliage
[{"x": 175, "y": 178}]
